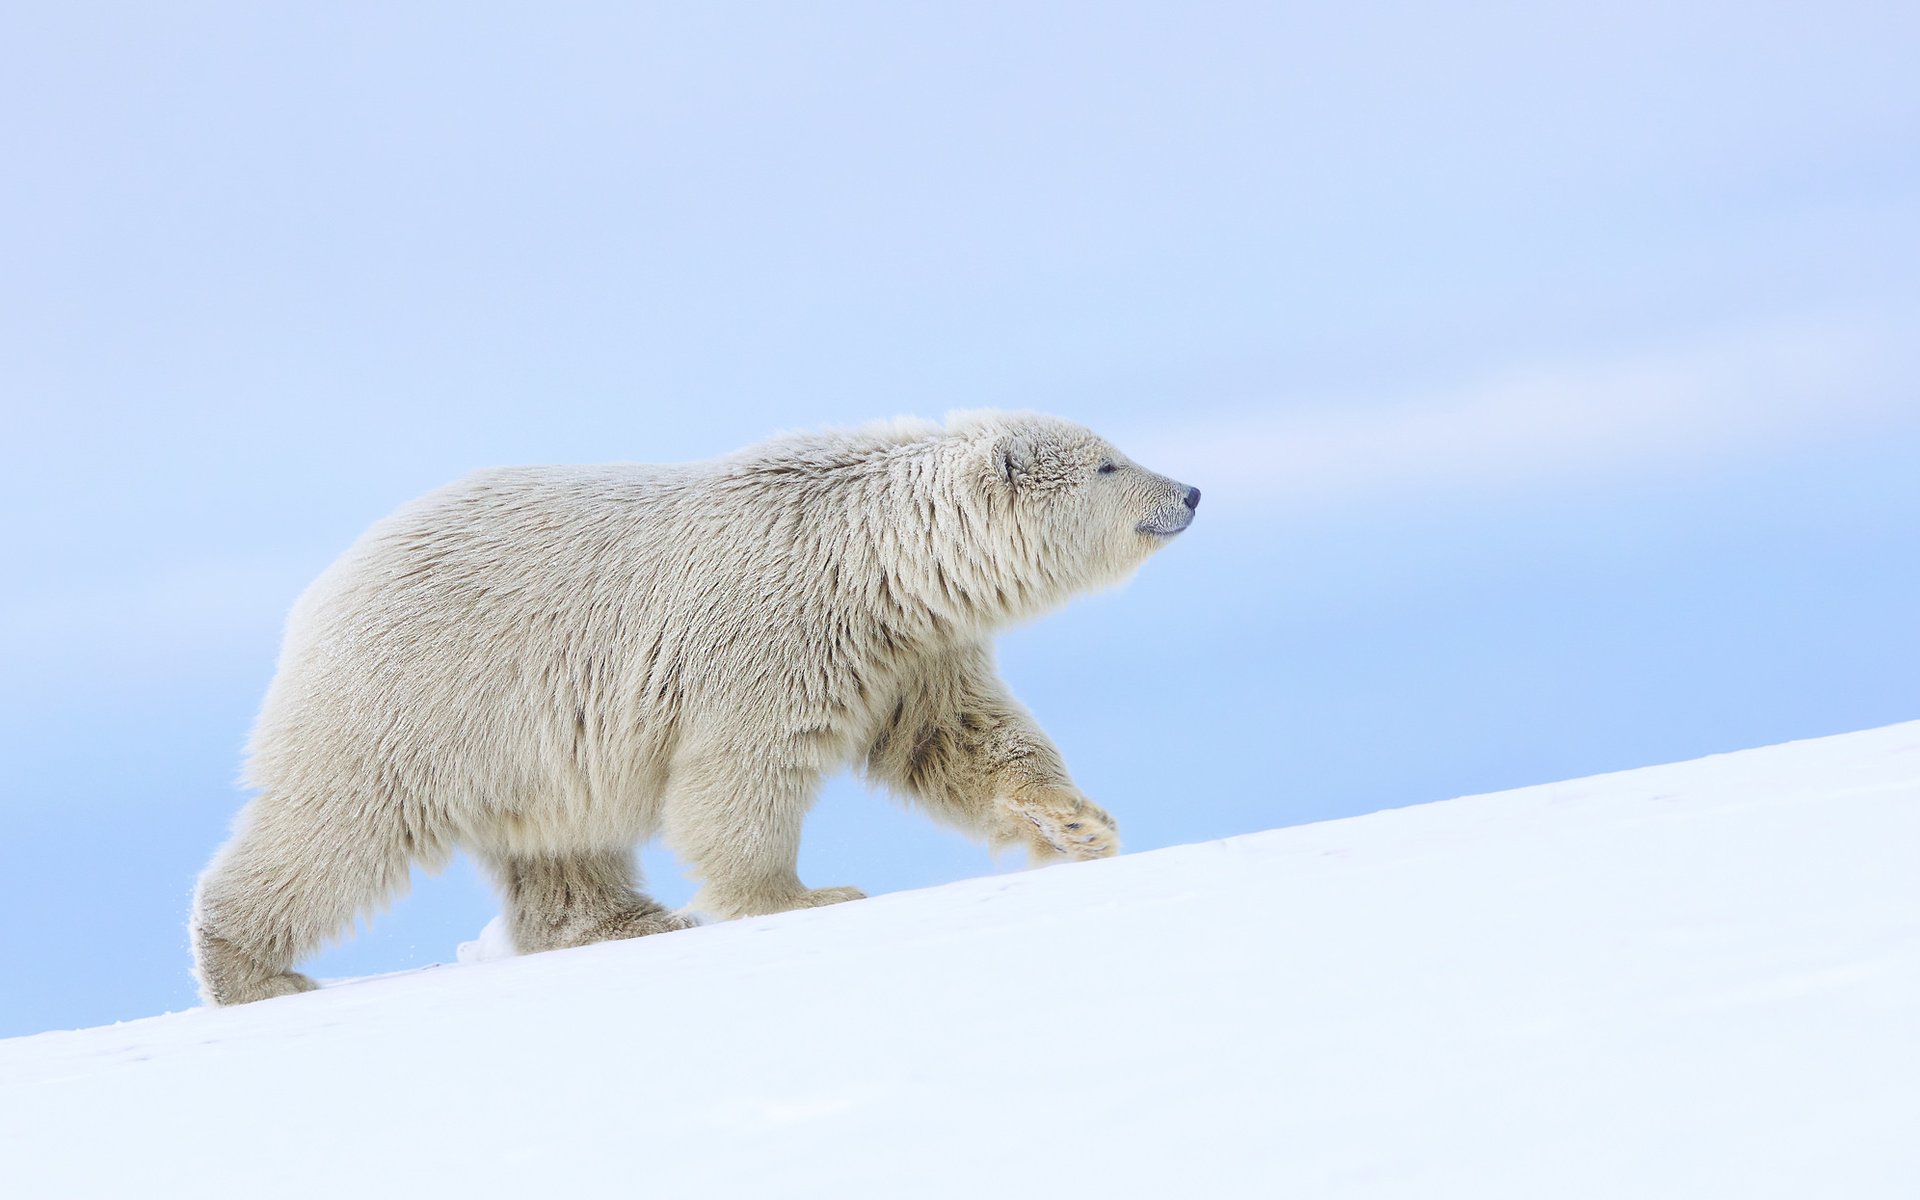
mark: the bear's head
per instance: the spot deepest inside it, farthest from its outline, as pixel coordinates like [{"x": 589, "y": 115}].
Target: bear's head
[{"x": 1066, "y": 511}]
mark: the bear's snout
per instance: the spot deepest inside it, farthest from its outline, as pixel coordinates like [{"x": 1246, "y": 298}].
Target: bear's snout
[{"x": 1173, "y": 513}]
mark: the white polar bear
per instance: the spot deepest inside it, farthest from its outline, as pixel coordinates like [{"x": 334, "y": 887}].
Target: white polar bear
[{"x": 549, "y": 665}]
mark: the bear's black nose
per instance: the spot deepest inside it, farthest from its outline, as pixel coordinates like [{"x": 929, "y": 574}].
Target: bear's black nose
[{"x": 1193, "y": 498}]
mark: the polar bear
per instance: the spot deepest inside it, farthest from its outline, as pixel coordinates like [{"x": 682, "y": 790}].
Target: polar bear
[{"x": 546, "y": 666}]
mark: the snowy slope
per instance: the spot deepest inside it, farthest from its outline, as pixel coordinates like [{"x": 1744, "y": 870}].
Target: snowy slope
[{"x": 1694, "y": 980}]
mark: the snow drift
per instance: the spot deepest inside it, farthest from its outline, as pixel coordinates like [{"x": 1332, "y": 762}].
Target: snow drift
[{"x": 1699, "y": 979}]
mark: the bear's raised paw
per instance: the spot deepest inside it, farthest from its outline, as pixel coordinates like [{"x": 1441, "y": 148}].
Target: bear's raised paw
[{"x": 1061, "y": 823}]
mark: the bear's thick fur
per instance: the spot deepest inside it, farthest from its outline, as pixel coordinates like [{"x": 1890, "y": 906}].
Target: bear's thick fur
[{"x": 548, "y": 665}]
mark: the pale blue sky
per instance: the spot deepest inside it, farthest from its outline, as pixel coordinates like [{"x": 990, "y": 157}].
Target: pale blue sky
[{"x": 1551, "y": 374}]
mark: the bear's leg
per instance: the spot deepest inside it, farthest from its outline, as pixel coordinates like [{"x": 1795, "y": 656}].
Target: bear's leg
[
  {"x": 293, "y": 875},
  {"x": 738, "y": 829},
  {"x": 960, "y": 744},
  {"x": 560, "y": 900}
]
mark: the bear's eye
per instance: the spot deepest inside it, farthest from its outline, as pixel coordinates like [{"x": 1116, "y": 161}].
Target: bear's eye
[{"x": 1107, "y": 467}]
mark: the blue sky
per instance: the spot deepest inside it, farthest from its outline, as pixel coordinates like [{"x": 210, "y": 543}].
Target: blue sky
[{"x": 1551, "y": 376}]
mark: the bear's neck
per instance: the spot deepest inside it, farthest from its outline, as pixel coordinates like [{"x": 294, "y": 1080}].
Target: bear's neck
[{"x": 951, "y": 567}]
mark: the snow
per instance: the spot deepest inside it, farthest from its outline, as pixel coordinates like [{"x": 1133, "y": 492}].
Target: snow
[{"x": 1692, "y": 980}]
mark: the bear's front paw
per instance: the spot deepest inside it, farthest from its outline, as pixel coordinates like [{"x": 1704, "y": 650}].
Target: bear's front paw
[
  {"x": 1057, "y": 822},
  {"x": 816, "y": 897}
]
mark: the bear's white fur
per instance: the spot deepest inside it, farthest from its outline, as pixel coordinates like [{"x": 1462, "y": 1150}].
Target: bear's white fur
[{"x": 546, "y": 666}]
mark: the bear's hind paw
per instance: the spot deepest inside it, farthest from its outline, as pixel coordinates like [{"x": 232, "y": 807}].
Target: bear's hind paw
[
  {"x": 645, "y": 923},
  {"x": 286, "y": 983}
]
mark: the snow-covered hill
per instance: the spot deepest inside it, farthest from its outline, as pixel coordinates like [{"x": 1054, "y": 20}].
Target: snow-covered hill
[{"x": 1694, "y": 980}]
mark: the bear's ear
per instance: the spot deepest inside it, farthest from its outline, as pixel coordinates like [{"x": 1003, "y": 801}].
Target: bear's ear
[{"x": 1013, "y": 456}]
